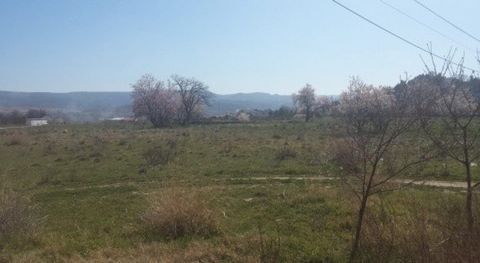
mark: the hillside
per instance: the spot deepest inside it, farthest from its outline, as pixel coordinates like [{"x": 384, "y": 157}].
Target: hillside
[{"x": 111, "y": 103}]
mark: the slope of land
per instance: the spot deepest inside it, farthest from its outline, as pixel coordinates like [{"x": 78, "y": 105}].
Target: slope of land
[{"x": 111, "y": 103}]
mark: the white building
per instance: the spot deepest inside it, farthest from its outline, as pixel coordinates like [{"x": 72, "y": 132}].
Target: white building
[{"x": 37, "y": 121}]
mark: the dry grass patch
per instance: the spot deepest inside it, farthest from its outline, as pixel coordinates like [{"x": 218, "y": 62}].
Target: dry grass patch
[
  {"x": 15, "y": 139},
  {"x": 204, "y": 252},
  {"x": 17, "y": 220},
  {"x": 234, "y": 250},
  {"x": 420, "y": 233},
  {"x": 180, "y": 213}
]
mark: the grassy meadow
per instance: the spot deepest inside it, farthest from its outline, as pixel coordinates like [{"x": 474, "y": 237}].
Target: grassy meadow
[{"x": 93, "y": 189}]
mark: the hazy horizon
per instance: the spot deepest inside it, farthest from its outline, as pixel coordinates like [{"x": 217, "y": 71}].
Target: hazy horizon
[
  {"x": 127, "y": 91},
  {"x": 233, "y": 46}
]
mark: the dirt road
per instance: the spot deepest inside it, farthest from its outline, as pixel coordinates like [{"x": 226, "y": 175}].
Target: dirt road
[{"x": 433, "y": 183}]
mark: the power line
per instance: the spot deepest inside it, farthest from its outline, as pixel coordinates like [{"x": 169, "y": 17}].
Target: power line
[
  {"x": 425, "y": 25},
  {"x": 446, "y": 20},
  {"x": 400, "y": 37}
]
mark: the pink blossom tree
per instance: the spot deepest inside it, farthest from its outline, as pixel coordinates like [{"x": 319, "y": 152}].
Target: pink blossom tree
[{"x": 153, "y": 100}]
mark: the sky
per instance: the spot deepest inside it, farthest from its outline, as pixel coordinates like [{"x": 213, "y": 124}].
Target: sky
[{"x": 273, "y": 46}]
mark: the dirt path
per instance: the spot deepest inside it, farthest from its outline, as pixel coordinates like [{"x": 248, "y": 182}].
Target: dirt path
[
  {"x": 432, "y": 183},
  {"x": 17, "y": 127}
]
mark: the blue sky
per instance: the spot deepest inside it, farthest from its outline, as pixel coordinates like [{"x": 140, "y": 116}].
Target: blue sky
[{"x": 273, "y": 46}]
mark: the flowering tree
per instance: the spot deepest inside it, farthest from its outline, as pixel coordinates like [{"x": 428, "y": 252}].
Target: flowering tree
[
  {"x": 375, "y": 149},
  {"x": 305, "y": 101},
  {"x": 151, "y": 99},
  {"x": 324, "y": 105},
  {"x": 449, "y": 113}
]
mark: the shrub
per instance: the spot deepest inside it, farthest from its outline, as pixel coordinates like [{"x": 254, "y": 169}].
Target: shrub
[
  {"x": 175, "y": 214},
  {"x": 14, "y": 139},
  {"x": 17, "y": 220},
  {"x": 227, "y": 147},
  {"x": 285, "y": 152},
  {"x": 276, "y": 136},
  {"x": 49, "y": 148},
  {"x": 161, "y": 154}
]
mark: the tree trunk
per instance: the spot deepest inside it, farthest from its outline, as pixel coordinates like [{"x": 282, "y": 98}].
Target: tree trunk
[
  {"x": 469, "y": 212},
  {"x": 307, "y": 115},
  {"x": 358, "y": 231},
  {"x": 468, "y": 208},
  {"x": 186, "y": 118}
]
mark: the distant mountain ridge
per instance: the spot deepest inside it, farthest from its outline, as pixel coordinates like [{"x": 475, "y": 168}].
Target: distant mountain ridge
[{"x": 111, "y": 102}]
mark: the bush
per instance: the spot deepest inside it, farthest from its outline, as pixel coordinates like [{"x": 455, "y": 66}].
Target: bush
[
  {"x": 276, "y": 136},
  {"x": 161, "y": 154},
  {"x": 227, "y": 147},
  {"x": 285, "y": 152},
  {"x": 14, "y": 139},
  {"x": 17, "y": 220},
  {"x": 175, "y": 214},
  {"x": 49, "y": 148}
]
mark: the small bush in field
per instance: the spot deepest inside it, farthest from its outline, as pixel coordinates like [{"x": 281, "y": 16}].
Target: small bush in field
[
  {"x": 15, "y": 139},
  {"x": 285, "y": 152},
  {"x": 175, "y": 214},
  {"x": 17, "y": 220},
  {"x": 122, "y": 142},
  {"x": 227, "y": 147},
  {"x": 161, "y": 154},
  {"x": 276, "y": 136},
  {"x": 49, "y": 148}
]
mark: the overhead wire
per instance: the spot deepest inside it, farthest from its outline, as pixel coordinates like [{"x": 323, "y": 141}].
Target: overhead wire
[
  {"x": 398, "y": 10},
  {"x": 446, "y": 20},
  {"x": 431, "y": 53}
]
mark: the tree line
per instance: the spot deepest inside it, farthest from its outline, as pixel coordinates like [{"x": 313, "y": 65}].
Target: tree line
[
  {"x": 310, "y": 105},
  {"x": 182, "y": 100}
]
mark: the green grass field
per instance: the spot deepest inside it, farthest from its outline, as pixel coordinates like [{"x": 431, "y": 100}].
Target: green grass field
[{"x": 90, "y": 184}]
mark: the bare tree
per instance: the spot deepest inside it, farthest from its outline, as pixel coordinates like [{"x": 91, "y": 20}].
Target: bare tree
[
  {"x": 151, "y": 99},
  {"x": 193, "y": 96},
  {"x": 449, "y": 107},
  {"x": 323, "y": 105},
  {"x": 304, "y": 100},
  {"x": 376, "y": 147}
]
